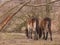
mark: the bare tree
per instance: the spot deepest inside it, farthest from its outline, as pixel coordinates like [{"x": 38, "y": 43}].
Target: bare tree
[{"x": 4, "y": 22}]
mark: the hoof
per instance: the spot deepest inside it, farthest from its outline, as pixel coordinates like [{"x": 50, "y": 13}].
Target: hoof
[
  {"x": 35, "y": 38},
  {"x": 43, "y": 37},
  {"x": 51, "y": 39}
]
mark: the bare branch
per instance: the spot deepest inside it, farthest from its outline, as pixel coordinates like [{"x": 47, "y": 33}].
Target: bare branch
[
  {"x": 41, "y": 4},
  {"x": 53, "y": 2},
  {"x": 36, "y": 5},
  {"x": 10, "y": 10},
  {"x": 21, "y": 7},
  {"x": 5, "y": 3}
]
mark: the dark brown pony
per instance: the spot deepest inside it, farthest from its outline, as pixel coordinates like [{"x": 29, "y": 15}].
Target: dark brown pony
[
  {"x": 45, "y": 27},
  {"x": 32, "y": 27}
]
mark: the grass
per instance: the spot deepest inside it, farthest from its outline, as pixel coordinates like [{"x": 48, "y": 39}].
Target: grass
[{"x": 20, "y": 39}]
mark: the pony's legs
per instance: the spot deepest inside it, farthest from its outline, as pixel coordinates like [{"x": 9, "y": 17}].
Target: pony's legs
[
  {"x": 46, "y": 33},
  {"x": 40, "y": 33},
  {"x": 30, "y": 34},
  {"x": 50, "y": 34},
  {"x": 26, "y": 33},
  {"x": 46, "y": 36},
  {"x": 35, "y": 35},
  {"x": 43, "y": 34}
]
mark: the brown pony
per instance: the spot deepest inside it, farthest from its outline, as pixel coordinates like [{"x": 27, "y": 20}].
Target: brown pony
[
  {"x": 45, "y": 27},
  {"x": 32, "y": 27}
]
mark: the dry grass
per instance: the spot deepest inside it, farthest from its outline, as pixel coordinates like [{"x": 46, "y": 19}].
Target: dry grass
[{"x": 20, "y": 39}]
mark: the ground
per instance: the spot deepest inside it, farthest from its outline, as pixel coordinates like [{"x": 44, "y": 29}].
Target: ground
[{"x": 20, "y": 39}]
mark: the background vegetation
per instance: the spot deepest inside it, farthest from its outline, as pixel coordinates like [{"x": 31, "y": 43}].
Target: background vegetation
[{"x": 38, "y": 8}]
